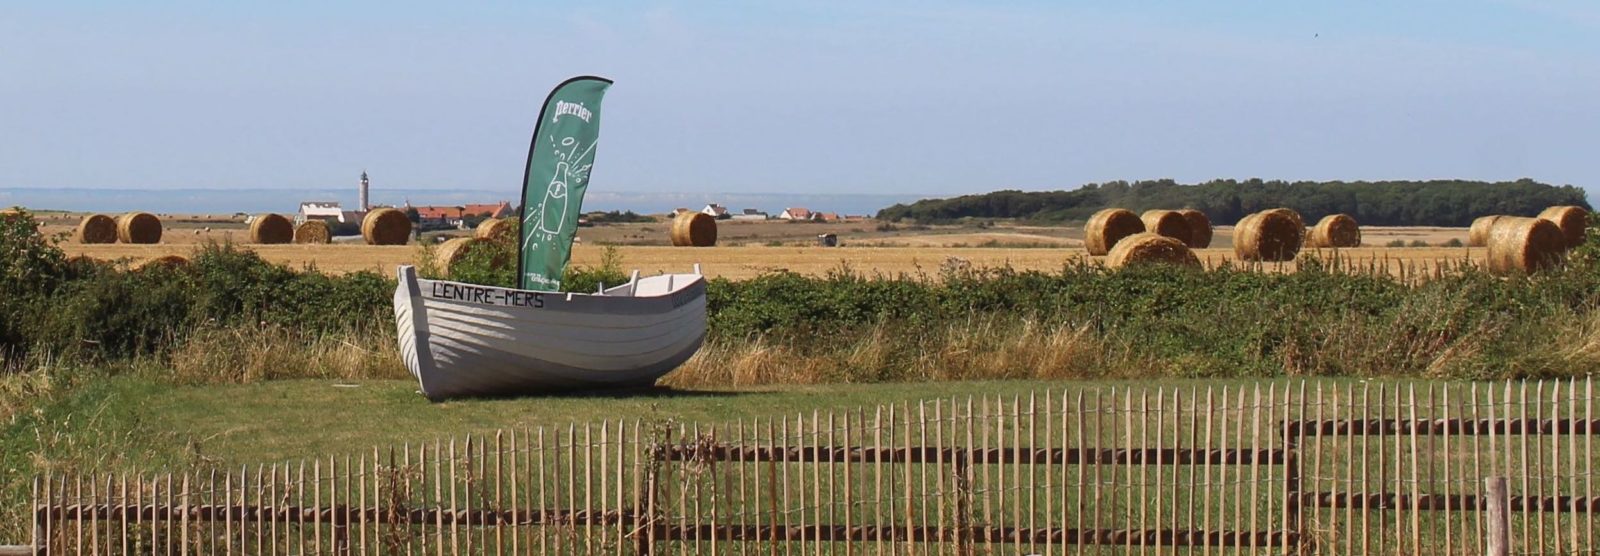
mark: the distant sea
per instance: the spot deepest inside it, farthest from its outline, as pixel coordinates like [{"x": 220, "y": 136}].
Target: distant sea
[{"x": 228, "y": 201}]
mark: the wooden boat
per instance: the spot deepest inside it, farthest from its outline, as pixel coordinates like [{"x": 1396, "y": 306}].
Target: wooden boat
[{"x": 463, "y": 339}]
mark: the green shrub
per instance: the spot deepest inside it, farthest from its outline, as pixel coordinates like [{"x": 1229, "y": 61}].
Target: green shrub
[
  {"x": 1223, "y": 322},
  {"x": 98, "y": 311},
  {"x": 493, "y": 263}
]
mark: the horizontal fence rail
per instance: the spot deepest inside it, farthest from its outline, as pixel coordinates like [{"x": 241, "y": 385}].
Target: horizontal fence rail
[{"x": 1270, "y": 468}]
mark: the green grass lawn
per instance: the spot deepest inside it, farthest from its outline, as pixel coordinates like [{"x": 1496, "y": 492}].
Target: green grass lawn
[{"x": 125, "y": 422}]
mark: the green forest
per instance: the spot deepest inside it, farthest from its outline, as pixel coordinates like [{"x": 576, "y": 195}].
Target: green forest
[{"x": 1379, "y": 203}]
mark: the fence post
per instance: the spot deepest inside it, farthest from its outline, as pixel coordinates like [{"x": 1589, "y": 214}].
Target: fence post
[
  {"x": 961, "y": 462},
  {"x": 39, "y": 539},
  {"x": 644, "y": 503},
  {"x": 1499, "y": 524},
  {"x": 1292, "y": 500}
]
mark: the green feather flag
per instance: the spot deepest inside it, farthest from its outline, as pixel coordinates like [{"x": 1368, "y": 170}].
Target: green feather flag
[{"x": 560, "y": 160}]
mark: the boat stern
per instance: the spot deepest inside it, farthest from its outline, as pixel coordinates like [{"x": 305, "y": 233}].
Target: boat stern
[{"x": 411, "y": 333}]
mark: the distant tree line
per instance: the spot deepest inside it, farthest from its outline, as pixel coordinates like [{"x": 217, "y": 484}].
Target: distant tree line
[
  {"x": 616, "y": 217},
  {"x": 1381, "y": 203}
]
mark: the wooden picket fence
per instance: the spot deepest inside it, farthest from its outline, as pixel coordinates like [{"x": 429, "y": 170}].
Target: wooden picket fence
[{"x": 1270, "y": 468}]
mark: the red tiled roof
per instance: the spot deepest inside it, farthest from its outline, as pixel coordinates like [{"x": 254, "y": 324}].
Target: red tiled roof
[
  {"x": 500, "y": 210},
  {"x": 439, "y": 213}
]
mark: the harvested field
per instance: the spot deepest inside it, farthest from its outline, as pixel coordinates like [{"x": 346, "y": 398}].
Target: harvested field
[
  {"x": 748, "y": 249},
  {"x": 983, "y": 239},
  {"x": 749, "y": 261}
]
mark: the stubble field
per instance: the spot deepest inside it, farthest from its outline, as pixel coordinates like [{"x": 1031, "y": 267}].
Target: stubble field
[{"x": 749, "y": 249}]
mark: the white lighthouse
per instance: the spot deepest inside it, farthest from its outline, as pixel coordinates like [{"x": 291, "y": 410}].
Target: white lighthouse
[{"x": 364, "y": 205}]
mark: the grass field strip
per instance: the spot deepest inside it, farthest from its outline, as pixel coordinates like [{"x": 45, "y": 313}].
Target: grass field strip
[{"x": 1269, "y": 468}]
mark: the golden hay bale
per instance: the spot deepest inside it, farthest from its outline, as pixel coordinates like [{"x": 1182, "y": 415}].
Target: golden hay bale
[
  {"x": 1168, "y": 223},
  {"x": 453, "y": 251},
  {"x": 1524, "y": 244},
  {"x": 504, "y": 229},
  {"x": 1107, "y": 227},
  {"x": 1573, "y": 221},
  {"x": 313, "y": 231},
  {"x": 1478, "y": 234},
  {"x": 386, "y": 226},
  {"x": 694, "y": 229},
  {"x": 165, "y": 261},
  {"x": 1336, "y": 230},
  {"x": 1269, "y": 235},
  {"x": 1151, "y": 248},
  {"x": 1199, "y": 228},
  {"x": 1292, "y": 214},
  {"x": 139, "y": 227},
  {"x": 96, "y": 228},
  {"x": 270, "y": 229}
]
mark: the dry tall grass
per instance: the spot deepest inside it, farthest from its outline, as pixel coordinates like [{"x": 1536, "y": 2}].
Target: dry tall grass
[
  {"x": 23, "y": 381},
  {"x": 249, "y": 354},
  {"x": 980, "y": 349}
]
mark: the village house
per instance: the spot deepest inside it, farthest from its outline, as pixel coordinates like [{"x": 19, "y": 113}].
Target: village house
[
  {"x": 716, "y": 211},
  {"x": 501, "y": 210},
  {"x": 751, "y": 214},
  {"x": 795, "y": 213},
  {"x": 441, "y": 216},
  {"x": 326, "y": 211}
]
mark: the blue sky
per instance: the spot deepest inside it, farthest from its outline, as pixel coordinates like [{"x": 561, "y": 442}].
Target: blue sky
[{"x": 829, "y": 97}]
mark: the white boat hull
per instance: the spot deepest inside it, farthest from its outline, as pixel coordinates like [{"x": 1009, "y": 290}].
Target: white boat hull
[{"x": 464, "y": 340}]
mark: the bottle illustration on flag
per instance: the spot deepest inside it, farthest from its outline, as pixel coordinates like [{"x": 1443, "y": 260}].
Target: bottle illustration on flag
[{"x": 553, "y": 212}]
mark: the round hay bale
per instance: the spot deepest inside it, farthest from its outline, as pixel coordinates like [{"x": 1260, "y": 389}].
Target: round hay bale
[
  {"x": 314, "y": 232},
  {"x": 164, "y": 261},
  {"x": 1199, "y": 228},
  {"x": 1168, "y": 223},
  {"x": 1478, "y": 234},
  {"x": 1336, "y": 230},
  {"x": 1107, "y": 227},
  {"x": 96, "y": 228},
  {"x": 1270, "y": 235},
  {"x": 1524, "y": 245},
  {"x": 386, "y": 226},
  {"x": 1151, "y": 248},
  {"x": 497, "y": 229},
  {"x": 139, "y": 227},
  {"x": 1292, "y": 214},
  {"x": 453, "y": 251},
  {"x": 271, "y": 229},
  {"x": 1573, "y": 221},
  {"x": 694, "y": 229}
]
